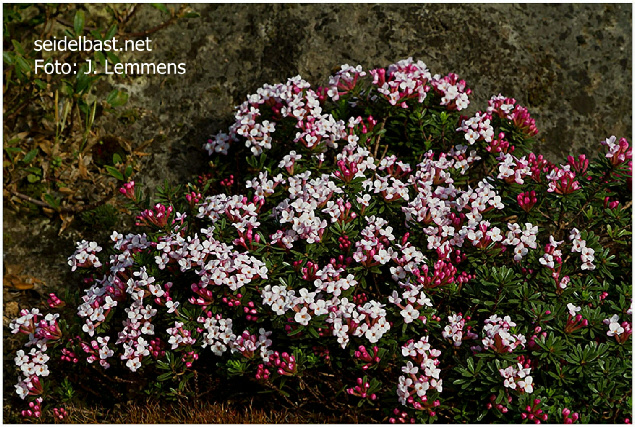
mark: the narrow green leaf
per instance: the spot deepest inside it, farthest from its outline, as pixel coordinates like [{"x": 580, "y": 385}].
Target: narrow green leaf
[
  {"x": 96, "y": 35},
  {"x": 54, "y": 203},
  {"x": 41, "y": 84},
  {"x": 30, "y": 156},
  {"x": 7, "y": 57},
  {"x": 18, "y": 47},
  {"x": 112, "y": 57},
  {"x": 22, "y": 64},
  {"x": 78, "y": 24},
  {"x": 12, "y": 150},
  {"x": 114, "y": 172},
  {"x": 100, "y": 57},
  {"x": 111, "y": 32},
  {"x": 164, "y": 377},
  {"x": 160, "y": 6},
  {"x": 295, "y": 332},
  {"x": 117, "y": 98}
]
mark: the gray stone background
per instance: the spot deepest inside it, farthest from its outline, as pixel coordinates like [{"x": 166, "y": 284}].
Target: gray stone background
[{"x": 570, "y": 64}]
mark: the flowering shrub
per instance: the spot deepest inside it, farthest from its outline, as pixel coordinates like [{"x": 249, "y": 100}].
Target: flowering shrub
[{"x": 365, "y": 244}]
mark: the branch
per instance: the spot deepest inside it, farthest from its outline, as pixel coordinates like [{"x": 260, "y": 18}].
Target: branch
[
  {"x": 70, "y": 209},
  {"x": 381, "y": 127}
]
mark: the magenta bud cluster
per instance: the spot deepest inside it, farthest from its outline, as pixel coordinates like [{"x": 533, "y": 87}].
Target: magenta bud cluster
[{"x": 128, "y": 190}]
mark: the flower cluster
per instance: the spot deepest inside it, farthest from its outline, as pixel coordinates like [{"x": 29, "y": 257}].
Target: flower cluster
[
  {"x": 422, "y": 375},
  {"x": 618, "y": 153},
  {"x": 403, "y": 81},
  {"x": 552, "y": 259},
  {"x": 344, "y": 81},
  {"x": 621, "y": 331},
  {"x": 507, "y": 108},
  {"x": 455, "y": 330},
  {"x": 574, "y": 417},
  {"x": 497, "y": 335},
  {"x": 517, "y": 377},
  {"x": 453, "y": 91},
  {"x": 371, "y": 228},
  {"x": 537, "y": 415},
  {"x": 586, "y": 252},
  {"x": 85, "y": 255}
]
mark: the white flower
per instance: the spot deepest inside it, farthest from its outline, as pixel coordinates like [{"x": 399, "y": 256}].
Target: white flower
[
  {"x": 22, "y": 389},
  {"x": 28, "y": 369},
  {"x": 382, "y": 256},
  {"x": 133, "y": 364},
  {"x": 421, "y": 387},
  {"x": 41, "y": 370},
  {"x": 21, "y": 358},
  {"x": 171, "y": 306},
  {"x": 409, "y": 314},
  {"x": 303, "y": 317},
  {"x": 573, "y": 309},
  {"x": 527, "y": 384},
  {"x": 89, "y": 328},
  {"x": 409, "y": 368}
]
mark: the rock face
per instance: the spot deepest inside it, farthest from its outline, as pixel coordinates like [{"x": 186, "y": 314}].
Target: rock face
[{"x": 569, "y": 63}]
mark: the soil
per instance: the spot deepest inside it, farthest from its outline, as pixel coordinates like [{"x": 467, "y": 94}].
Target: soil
[{"x": 570, "y": 64}]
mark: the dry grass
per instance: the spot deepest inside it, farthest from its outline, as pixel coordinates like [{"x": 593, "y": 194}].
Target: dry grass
[
  {"x": 200, "y": 413},
  {"x": 153, "y": 412}
]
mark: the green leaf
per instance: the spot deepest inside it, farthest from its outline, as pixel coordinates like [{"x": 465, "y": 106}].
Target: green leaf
[
  {"x": 7, "y": 57},
  {"x": 501, "y": 396},
  {"x": 117, "y": 98},
  {"x": 112, "y": 57},
  {"x": 41, "y": 84},
  {"x": 30, "y": 156},
  {"x": 53, "y": 202},
  {"x": 192, "y": 15},
  {"x": 18, "y": 47},
  {"x": 128, "y": 172},
  {"x": 114, "y": 172},
  {"x": 160, "y": 6},
  {"x": 78, "y": 24},
  {"x": 295, "y": 332},
  {"x": 96, "y": 35},
  {"x": 22, "y": 64},
  {"x": 84, "y": 81},
  {"x": 12, "y": 150},
  {"x": 116, "y": 158},
  {"x": 164, "y": 377},
  {"x": 100, "y": 57},
  {"x": 111, "y": 32},
  {"x": 313, "y": 333},
  {"x": 32, "y": 178}
]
